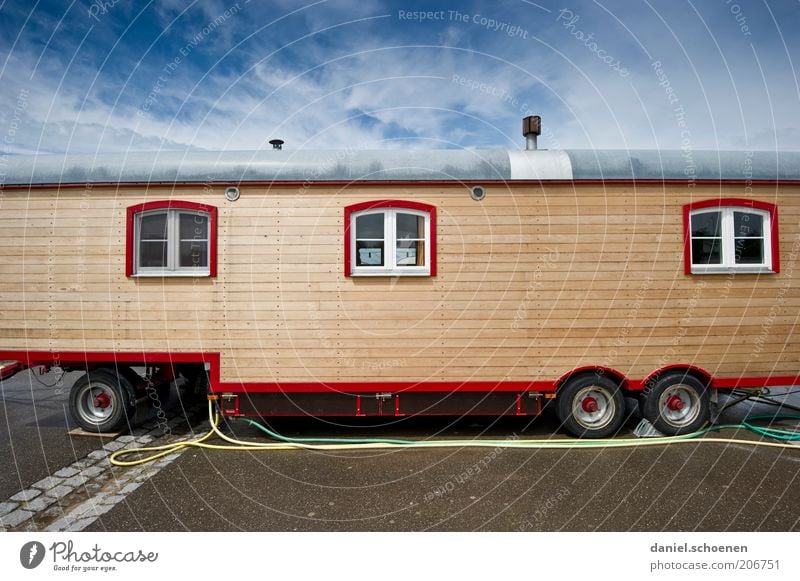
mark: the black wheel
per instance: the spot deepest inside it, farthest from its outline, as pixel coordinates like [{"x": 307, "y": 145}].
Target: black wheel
[
  {"x": 591, "y": 406},
  {"x": 677, "y": 404},
  {"x": 100, "y": 401}
]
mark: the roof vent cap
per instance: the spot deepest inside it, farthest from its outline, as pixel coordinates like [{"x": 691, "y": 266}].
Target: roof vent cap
[{"x": 531, "y": 129}]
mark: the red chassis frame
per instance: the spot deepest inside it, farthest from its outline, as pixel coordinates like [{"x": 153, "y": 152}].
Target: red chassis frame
[{"x": 231, "y": 392}]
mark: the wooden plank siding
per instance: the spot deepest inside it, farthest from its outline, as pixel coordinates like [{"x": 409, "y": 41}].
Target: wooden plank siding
[{"x": 532, "y": 282}]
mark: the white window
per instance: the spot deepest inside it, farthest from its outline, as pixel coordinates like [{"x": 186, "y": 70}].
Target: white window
[
  {"x": 730, "y": 239},
  {"x": 390, "y": 241},
  {"x": 172, "y": 242}
]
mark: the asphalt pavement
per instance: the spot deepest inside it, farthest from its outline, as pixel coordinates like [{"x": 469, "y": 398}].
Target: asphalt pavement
[
  {"x": 703, "y": 487},
  {"x": 34, "y": 424}
]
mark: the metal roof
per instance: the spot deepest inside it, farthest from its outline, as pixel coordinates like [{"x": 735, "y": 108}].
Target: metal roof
[
  {"x": 398, "y": 165},
  {"x": 609, "y": 164}
]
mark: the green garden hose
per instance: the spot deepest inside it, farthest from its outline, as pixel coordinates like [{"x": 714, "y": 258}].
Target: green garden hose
[
  {"x": 747, "y": 423},
  {"x": 152, "y": 453}
]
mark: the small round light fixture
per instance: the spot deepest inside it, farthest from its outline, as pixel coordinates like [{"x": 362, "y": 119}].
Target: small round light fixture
[
  {"x": 477, "y": 193},
  {"x": 232, "y": 193}
]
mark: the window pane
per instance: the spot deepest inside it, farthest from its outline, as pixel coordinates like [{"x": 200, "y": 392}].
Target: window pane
[
  {"x": 369, "y": 253},
  {"x": 410, "y": 226},
  {"x": 707, "y": 251},
  {"x": 749, "y": 251},
  {"x": 154, "y": 227},
  {"x": 194, "y": 254},
  {"x": 193, "y": 227},
  {"x": 748, "y": 225},
  {"x": 410, "y": 253},
  {"x": 153, "y": 254},
  {"x": 370, "y": 226},
  {"x": 706, "y": 224}
]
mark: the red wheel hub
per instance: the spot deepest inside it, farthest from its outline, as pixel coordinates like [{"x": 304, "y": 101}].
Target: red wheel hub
[
  {"x": 102, "y": 401},
  {"x": 589, "y": 405},
  {"x": 674, "y": 403}
]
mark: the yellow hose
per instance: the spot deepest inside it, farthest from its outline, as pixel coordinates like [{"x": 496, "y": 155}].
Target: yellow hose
[{"x": 157, "y": 452}]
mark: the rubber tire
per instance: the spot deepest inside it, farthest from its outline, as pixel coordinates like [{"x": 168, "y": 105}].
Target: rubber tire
[
  {"x": 570, "y": 389},
  {"x": 133, "y": 378},
  {"x": 120, "y": 389},
  {"x": 652, "y": 413}
]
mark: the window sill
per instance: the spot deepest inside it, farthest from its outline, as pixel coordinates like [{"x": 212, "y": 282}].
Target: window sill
[
  {"x": 389, "y": 273},
  {"x": 171, "y": 274},
  {"x": 732, "y": 270}
]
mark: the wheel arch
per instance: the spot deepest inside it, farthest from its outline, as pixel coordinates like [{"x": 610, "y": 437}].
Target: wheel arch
[
  {"x": 618, "y": 377},
  {"x": 692, "y": 370}
]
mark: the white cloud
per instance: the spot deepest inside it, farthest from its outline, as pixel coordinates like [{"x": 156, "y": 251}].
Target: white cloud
[{"x": 364, "y": 89}]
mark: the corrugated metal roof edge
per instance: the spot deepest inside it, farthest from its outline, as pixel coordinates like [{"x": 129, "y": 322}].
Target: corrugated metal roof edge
[
  {"x": 394, "y": 166},
  {"x": 686, "y": 164}
]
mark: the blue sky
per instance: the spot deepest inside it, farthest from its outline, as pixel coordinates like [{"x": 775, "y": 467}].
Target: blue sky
[{"x": 118, "y": 75}]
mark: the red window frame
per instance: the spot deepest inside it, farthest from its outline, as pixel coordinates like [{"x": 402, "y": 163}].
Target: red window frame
[
  {"x": 745, "y": 204},
  {"x": 171, "y": 205},
  {"x": 374, "y": 205}
]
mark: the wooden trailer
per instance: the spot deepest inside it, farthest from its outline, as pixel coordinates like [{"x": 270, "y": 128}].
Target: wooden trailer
[{"x": 399, "y": 283}]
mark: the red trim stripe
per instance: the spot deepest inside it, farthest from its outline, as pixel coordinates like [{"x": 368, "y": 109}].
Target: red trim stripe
[
  {"x": 81, "y": 358},
  {"x": 419, "y": 183},
  {"x": 370, "y": 387}
]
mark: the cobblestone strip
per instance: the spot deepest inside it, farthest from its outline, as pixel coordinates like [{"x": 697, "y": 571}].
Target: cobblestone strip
[
  {"x": 75, "y": 496},
  {"x": 80, "y": 516}
]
